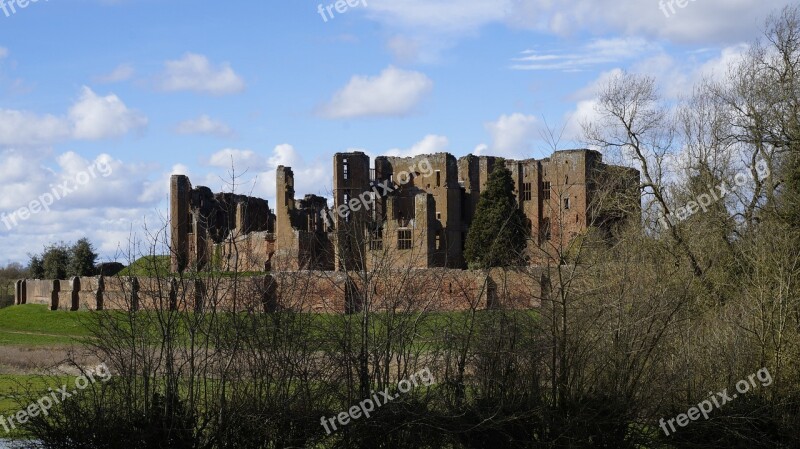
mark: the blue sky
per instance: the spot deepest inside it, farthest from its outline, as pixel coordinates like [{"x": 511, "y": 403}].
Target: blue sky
[{"x": 152, "y": 88}]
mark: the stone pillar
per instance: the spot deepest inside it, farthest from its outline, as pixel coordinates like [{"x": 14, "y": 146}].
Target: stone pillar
[
  {"x": 101, "y": 288},
  {"x": 18, "y": 293},
  {"x": 76, "y": 294},
  {"x": 54, "y": 291},
  {"x": 269, "y": 297}
]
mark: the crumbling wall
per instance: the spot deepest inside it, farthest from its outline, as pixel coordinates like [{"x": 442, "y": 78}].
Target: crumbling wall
[{"x": 331, "y": 292}]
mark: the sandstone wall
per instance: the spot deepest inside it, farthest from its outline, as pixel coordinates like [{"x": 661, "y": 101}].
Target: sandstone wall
[{"x": 303, "y": 291}]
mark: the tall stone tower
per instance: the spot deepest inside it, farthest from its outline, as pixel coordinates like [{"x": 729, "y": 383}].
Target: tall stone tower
[
  {"x": 181, "y": 222},
  {"x": 351, "y": 178}
]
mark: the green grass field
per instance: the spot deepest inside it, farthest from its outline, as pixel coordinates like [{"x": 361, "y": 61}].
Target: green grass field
[
  {"x": 36, "y": 325},
  {"x": 13, "y": 396}
]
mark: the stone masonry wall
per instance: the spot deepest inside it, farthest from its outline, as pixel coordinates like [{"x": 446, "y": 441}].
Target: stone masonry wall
[{"x": 303, "y": 291}]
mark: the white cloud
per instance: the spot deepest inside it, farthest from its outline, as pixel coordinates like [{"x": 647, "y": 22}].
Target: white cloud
[
  {"x": 204, "y": 125},
  {"x": 393, "y": 93},
  {"x": 122, "y": 72},
  {"x": 481, "y": 150},
  {"x": 3, "y": 52},
  {"x": 675, "y": 77},
  {"x": 21, "y": 128},
  {"x": 430, "y": 144},
  {"x": 419, "y": 30},
  {"x": 240, "y": 159},
  {"x": 99, "y": 204},
  {"x": 94, "y": 117},
  {"x": 259, "y": 172},
  {"x": 598, "y": 51},
  {"x": 512, "y": 135},
  {"x": 195, "y": 72},
  {"x": 437, "y": 24}
]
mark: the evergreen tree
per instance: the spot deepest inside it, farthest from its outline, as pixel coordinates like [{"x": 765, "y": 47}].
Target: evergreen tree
[
  {"x": 56, "y": 261},
  {"x": 82, "y": 259},
  {"x": 499, "y": 231},
  {"x": 36, "y": 267}
]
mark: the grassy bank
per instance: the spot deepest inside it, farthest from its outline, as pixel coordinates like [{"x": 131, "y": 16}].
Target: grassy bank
[{"x": 36, "y": 325}]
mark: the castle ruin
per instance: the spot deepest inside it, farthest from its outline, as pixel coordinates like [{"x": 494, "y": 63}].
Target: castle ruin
[{"x": 414, "y": 211}]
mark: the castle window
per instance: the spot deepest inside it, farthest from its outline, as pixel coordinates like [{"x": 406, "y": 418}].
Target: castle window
[
  {"x": 546, "y": 190},
  {"x": 439, "y": 240},
  {"x": 438, "y": 178},
  {"x": 404, "y": 239},
  {"x": 376, "y": 240},
  {"x": 190, "y": 224},
  {"x": 347, "y": 203},
  {"x": 526, "y": 191},
  {"x": 345, "y": 169},
  {"x": 438, "y": 215},
  {"x": 566, "y": 203}
]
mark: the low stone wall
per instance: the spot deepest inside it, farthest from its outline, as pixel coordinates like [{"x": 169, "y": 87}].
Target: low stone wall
[{"x": 303, "y": 291}]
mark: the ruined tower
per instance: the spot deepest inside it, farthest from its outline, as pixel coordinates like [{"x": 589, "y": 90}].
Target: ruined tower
[{"x": 180, "y": 221}]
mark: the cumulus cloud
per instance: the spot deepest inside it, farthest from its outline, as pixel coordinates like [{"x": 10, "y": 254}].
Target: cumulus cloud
[
  {"x": 512, "y": 135},
  {"x": 22, "y": 128},
  {"x": 259, "y": 172},
  {"x": 97, "y": 204},
  {"x": 95, "y": 117},
  {"x": 194, "y": 72},
  {"x": 92, "y": 117},
  {"x": 430, "y": 144},
  {"x": 204, "y": 125},
  {"x": 393, "y": 93}
]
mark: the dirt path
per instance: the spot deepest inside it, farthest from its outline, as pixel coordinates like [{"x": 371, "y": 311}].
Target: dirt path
[{"x": 33, "y": 360}]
